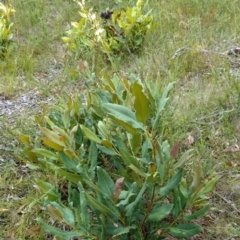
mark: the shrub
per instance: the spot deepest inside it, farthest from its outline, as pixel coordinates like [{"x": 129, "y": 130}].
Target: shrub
[
  {"x": 113, "y": 33},
  {"x": 5, "y": 27},
  {"x": 121, "y": 180}
]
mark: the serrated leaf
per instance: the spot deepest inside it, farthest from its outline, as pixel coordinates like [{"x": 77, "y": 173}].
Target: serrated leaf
[
  {"x": 105, "y": 183},
  {"x": 171, "y": 184},
  {"x": 184, "y": 230},
  {"x": 141, "y": 103},
  {"x": 123, "y": 230},
  {"x": 93, "y": 202},
  {"x": 159, "y": 213},
  {"x": 197, "y": 214},
  {"x": 57, "y": 232},
  {"x": 90, "y": 134}
]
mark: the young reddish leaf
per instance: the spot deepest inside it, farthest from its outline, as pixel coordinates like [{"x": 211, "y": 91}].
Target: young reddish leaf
[
  {"x": 174, "y": 150},
  {"x": 118, "y": 187}
]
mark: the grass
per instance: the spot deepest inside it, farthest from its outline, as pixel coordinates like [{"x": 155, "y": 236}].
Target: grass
[{"x": 204, "y": 102}]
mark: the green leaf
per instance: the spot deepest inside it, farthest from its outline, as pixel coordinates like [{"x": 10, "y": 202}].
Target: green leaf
[
  {"x": 184, "y": 230},
  {"x": 209, "y": 186},
  {"x": 90, "y": 134},
  {"x": 131, "y": 207},
  {"x": 93, "y": 155},
  {"x": 123, "y": 230},
  {"x": 128, "y": 158},
  {"x": 125, "y": 195},
  {"x": 74, "y": 178},
  {"x": 84, "y": 214},
  {"x": 161, "y": 104},
  {"x": 57, "y": 232},
  {"x": 197, "y": 214},
  {"x": 183, "y": 159},
  {"x": 105, "y": 183},
  {"x": 93, "y": 202},
  {"x": 127, "y": 126},
  {"x": 45, "y": 153},
  {"x": 67, "y": 214},
  {"x": 180, "y": 201},
  {"x": 159, "y": 213},
  {"x": 141, "y": 103},
  {"x": 47, "y": 142},
  {"x": 54, "y": 137},
  {"x": 171, "y": 184},
  {"x": 138, "y": 171},
  {"x": 49, "y": 190},
  {"x": 136, "y": 143},
  {"x": 67, "y": 161},
  {"x": 122, "y": 113}
]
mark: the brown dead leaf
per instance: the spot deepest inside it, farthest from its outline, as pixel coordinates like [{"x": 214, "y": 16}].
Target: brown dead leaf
[{"x": 34, "y": 230}]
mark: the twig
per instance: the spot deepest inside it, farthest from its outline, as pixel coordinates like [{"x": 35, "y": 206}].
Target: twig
[{"x": 228, "y": 202}]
